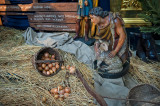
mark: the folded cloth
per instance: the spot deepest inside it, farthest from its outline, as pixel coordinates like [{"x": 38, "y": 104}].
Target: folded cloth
[{"x": 63, "y": 41}]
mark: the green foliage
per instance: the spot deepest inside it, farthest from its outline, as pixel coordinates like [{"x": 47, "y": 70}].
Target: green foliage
[{"x": 151, "y": 13}]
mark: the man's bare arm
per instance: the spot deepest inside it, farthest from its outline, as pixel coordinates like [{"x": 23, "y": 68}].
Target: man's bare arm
[
  {"x": 122, "y": 36},
  {"x": 121, "y": 33}
]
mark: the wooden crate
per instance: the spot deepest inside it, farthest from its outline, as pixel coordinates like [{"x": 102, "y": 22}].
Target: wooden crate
[{"x": 44, "y": 16}]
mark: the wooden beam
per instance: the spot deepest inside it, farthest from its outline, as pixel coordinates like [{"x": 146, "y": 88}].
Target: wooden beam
[
  {"x": 135, "y": 22},
  {"x": 15, "y": 13},
  {"x": 40, "y": 7},
  {"x": 53, "y": 26},
  {"x": 56, "y": 17}
]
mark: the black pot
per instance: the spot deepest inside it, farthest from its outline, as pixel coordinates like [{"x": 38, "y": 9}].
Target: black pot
[{"x": 105, "y": 74}]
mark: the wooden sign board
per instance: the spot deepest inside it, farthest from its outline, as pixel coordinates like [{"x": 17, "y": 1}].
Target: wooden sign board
[
  {"x": 45, "y": 16},
  {"x": 55, "y": 17}
]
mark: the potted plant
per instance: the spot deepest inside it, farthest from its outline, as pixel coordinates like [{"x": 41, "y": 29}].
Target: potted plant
[{"x": 150, "y": 13}]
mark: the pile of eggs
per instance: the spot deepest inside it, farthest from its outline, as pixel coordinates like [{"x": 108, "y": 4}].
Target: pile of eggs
[
  {"x": 70, "y": 69},
  {"x": 60, "y": 92},
  {"x": 48, "y": 68}
]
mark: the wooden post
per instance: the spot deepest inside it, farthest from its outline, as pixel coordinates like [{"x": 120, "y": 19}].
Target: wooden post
[
  {"x": 1, "y": 21},
  {"x": 5, "y": 2},
  {"x": 98, "y": 97}
]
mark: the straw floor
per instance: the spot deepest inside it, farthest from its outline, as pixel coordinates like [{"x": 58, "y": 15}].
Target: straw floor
[
  {"x": 21, "y": 84},
  {"x": 145, "y": 72}
]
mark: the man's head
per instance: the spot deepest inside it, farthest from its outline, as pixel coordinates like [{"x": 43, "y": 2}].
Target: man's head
[{"x": 96, "y": 14}]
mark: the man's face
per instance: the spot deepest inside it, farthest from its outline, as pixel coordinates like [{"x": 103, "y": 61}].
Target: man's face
[{"x": 95, "y": 19}]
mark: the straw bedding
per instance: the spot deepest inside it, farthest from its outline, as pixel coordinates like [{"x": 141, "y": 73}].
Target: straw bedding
[
  {"x": 21, "y": 84},
  {"x": 145, "y": 72}
]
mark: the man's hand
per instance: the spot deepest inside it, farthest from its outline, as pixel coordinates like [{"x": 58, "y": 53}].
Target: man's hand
[
  {"x": 96, "y": 49},
  {"x": 112, "y": 54},
  {"x": 97, "y": 54}
]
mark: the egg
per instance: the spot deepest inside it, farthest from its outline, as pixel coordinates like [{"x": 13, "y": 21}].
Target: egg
[
  {"x": 61, "y": 92},
  {"x": 50, "y": 65},
  {"x": 66, "y": 95},
  {"x": 54, "y": 64},
  {"x": 57, "y": 66},
  {"x": 44, "y": 72},
  {"x": 46, "y": 68},
  {"x": 40, "y": 68},
  {"x": 67, "y": 90},
  {"x": 43, "y": 65},
  {"x": 62, "y": 67},
  {"x": 51, "y": 71},
  {"x": 46, "y": 54},
  {"x": 48, "y": 73},
  {"x": 61, "y": 99},
  {"x": 72, "y": 69},
  {"x": 54, "y": 91},
  {"x": 67, "y": 67},
  {"x": 53, "y": 56},
  {"x": 54, "y": 69},
  {"x": 56, "y": 96}
]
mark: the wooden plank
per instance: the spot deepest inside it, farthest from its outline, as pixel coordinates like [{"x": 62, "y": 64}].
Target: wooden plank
[
  {"x": 9, "y": 2},
  {"x": 15, "y": 13},
  {"x": 53, "y": 27},
  {"x": 40, "y": 7},
  {"x": 56, "y": 17}
]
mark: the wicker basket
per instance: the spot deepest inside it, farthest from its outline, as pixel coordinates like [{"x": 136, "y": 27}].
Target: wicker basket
[
  {"x": 39, "y": 55},
  {"x": 144, "y": 92}
]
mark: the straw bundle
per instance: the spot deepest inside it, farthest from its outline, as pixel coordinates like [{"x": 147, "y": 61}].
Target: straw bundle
[
  {"x": 10, "y": 37},
  {"x": 145, "y": 72},
  {"x": 21, "y": 84}
]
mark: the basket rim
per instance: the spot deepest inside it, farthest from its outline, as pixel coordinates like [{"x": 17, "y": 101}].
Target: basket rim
[
  {"x": 36, "y": 56},
  {"x": 139, "y": 85},
  {"x": 143, "y": 84}
]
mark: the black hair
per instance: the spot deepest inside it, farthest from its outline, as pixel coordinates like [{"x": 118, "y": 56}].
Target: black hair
[{"x": 98, "y": 11}]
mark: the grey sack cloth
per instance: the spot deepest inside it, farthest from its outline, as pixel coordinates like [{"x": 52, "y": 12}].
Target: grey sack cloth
[
  {"x": 111, "y": 88},
  {"x": 62, "y": 41}
]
